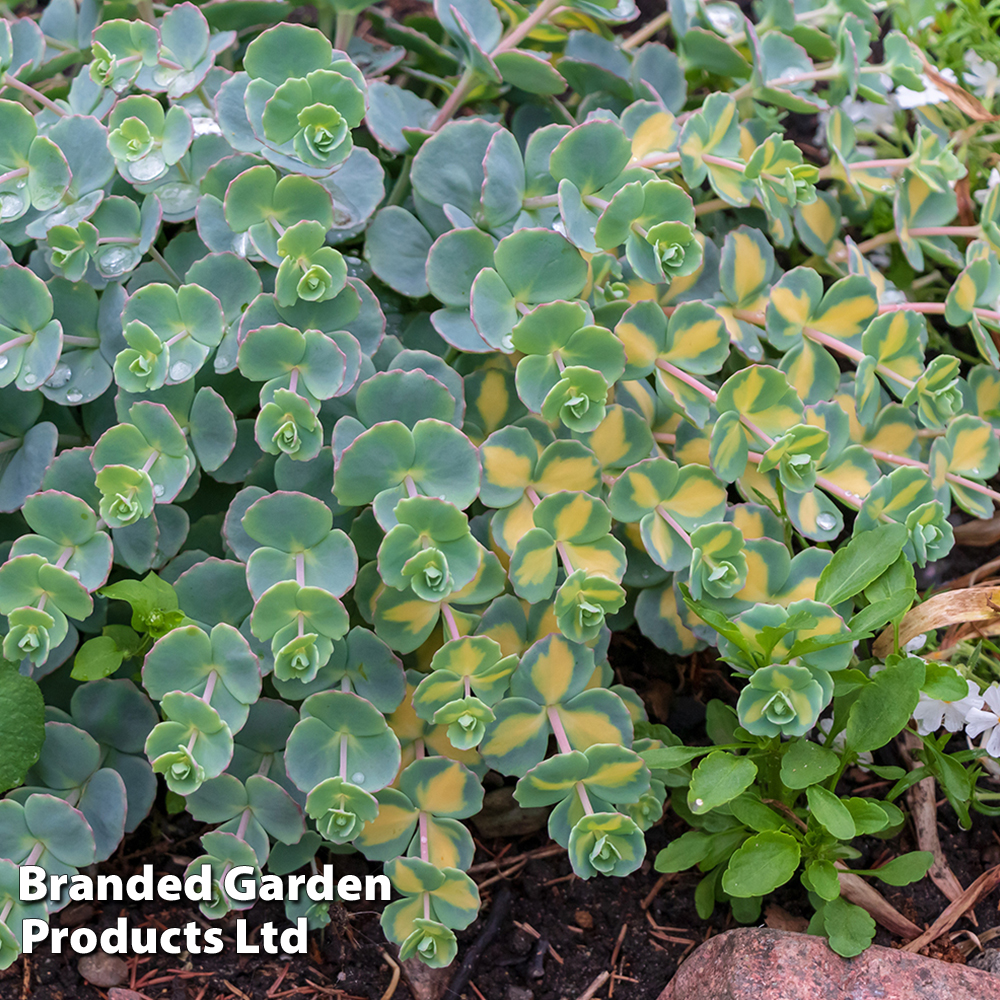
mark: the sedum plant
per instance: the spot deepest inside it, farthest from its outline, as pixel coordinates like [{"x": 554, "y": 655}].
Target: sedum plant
[{"x": 352, "y": 394}]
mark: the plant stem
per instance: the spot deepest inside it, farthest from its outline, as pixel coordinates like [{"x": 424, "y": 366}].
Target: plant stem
[
  {"x": 402, "y": 186},
  {"x": 25, "y": 338},
  {"x": 525, "y": 28},
  {"x": 300, "y": 568},
  {"x": 969, "y": 484},
  {"x": 647, "y": 31},
  {"x": 690, "y": 380},
  {"x": 711, "y": 205},
  {"x": 324, "y": 18},
  {"x": 241, "y": 830},
  {"x": 346, "y": 21},
  {"x": 449, "y": 617},
  {"x": 661, "y": 510},
  {"x": 35, "y": 95},
  {"x": 161, "y": 260},
  {"x": 455, "y": 99},
  {"x": 213, "y": 678},
  {"x": 13, "y": 174}
]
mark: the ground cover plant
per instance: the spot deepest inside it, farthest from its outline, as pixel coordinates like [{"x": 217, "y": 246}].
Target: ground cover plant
[{"x": 355, "y": 386}]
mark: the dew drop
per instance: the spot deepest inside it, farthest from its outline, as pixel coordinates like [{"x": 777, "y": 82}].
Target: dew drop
[
  {"x": 116, "y": 260},
  {"x": 157, "y": 489},
  {"x": 753, "y": 350},
  {"x": 73, "y": 573},
  {"x": 30, "y": 379},
  {"x": 180, "y": 370},
  {"x": 60, "y": 376},
  {"x": 11, "y": 206},
  {"x": 74, "y": 396},
  {"x": 3, "y": 361},
  {"x": 357, "y": 777},
  {"x": 699, "y": 802},
  {"x": 826, "y": 521},
  {"x": 974, "y": 472}
]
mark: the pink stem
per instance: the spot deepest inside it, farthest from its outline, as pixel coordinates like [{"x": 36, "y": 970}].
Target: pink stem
[{"x": 449, "y": 617}]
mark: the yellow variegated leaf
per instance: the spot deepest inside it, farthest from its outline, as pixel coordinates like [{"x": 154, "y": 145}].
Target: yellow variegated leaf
[
  {"x": 557, "y": 470},
  {"x": 609, "y": 442},
  {"x": 822, "y": 221},
  {"x": 584, "y": 728},
  {"x": 575, "y": 518},
  {"x": 754, "y": 484},
  {"x": 615, "y": 773},
  {"x": 391, "y": 823},
  {"x": 974, "y": 448},
  {"x": 442, "y": 793},
  {"x": 698, "y": 491},
  {"x": 553, "y": 669},
  {"x": 443, "y": 850},
  {"x": 493, "y": 400},
  {"x": 512, "y": 732},
  {"x": 608, "y": 559},
  {"x": 752, "y": 270},
  {"x": 506, "y": 467},
  {"x": 458, "y": 892},
  {"x": 657, "y": 134},
  {"x": 793, "y": 306},
  {"x": 413, "y": 616},
  {"x": 404, "y": 913},
  {"x": 511, "y": 524}
]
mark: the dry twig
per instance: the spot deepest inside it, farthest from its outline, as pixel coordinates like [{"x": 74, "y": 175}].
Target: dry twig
[
  {"x": 952, "y": 913},
  {"x": 595, "y": 986},
  {"x": 394, "y": 965}
]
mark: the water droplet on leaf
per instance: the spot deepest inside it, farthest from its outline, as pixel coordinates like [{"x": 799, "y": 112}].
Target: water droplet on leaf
[
  {"x": 74, "y": 396},
  {"x": 357, "y": 777},
  {"x": 60, "y": 376},
  {"x": 826, "y": 521},
  {"x": 10, "y": 205},
  {"x": 180, "y": 370}
]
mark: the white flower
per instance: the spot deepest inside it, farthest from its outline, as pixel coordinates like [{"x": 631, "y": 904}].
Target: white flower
[
  {"x": 991, "y": 182},
  {"x": 930, "y": 714},
  {"x": 907, "y": 98},
  {"x": 986, "y": 721},
  {"x": 916, "y": 644},
  {"x": 981, "y": 76}
]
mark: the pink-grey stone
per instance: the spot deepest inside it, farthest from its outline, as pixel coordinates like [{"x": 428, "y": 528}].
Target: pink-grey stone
[{"x": 752, "y": 964}]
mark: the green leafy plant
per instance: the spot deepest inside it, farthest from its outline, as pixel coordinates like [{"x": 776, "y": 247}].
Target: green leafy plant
[{"x": 339, "y": 427}]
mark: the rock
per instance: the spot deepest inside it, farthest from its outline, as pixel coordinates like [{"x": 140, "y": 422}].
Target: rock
[
  {"x": 988, "y": 961},
  {"x": 519, "y": 993},
  {"x": 503, "y": 817},
  {"x": 120, "y": 994},
  {"x": 583, "y": 920},
  {"x": 102, "y": 970},
  {"x": 751, "y": 964},
  {"x": 426, "y": 983},
  {"x": 520, "y": 942},
  {"x": 779, "y": 919}
]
